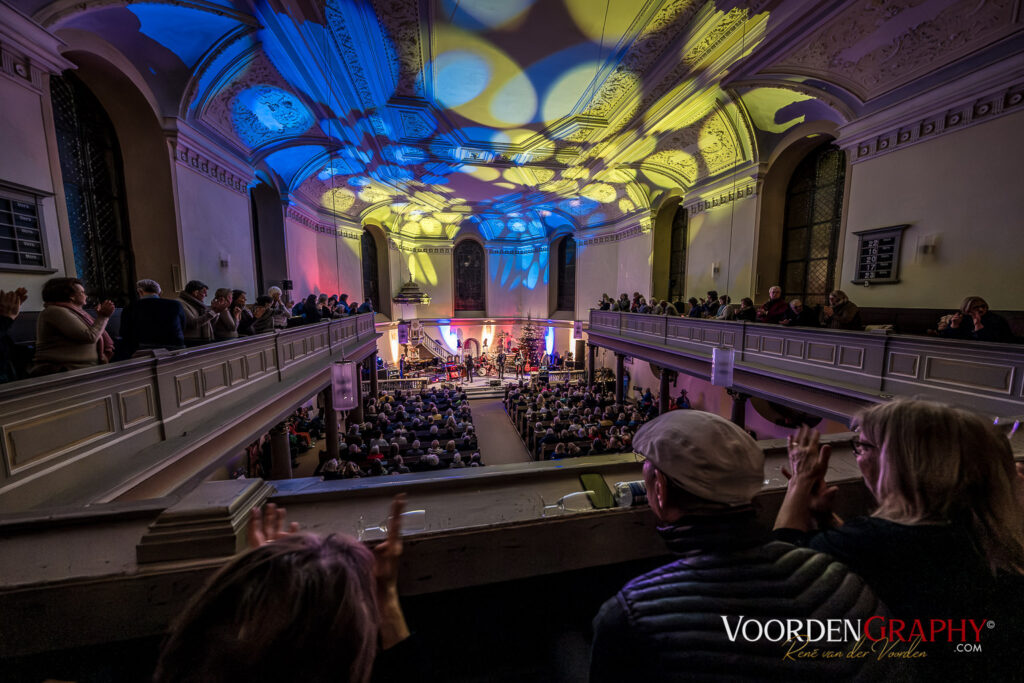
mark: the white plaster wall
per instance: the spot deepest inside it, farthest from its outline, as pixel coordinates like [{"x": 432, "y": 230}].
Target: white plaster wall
[
  {"x": 722, "y": 235},
  {"x": 319, "y": 263},
  {"x": 215, "y": 221},
  {"x": 634, "y": 265},
  {"x": 596, "y": 274},
  {"x": 517, "y": 284},
  {"x": 24, "y": 162},
  {"x": 963, "y": 187}
]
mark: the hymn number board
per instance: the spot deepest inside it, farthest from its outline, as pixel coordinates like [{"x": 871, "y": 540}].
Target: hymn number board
[
  {"x": 21, "y": 238},
  {"x": 878, "y": 255}
]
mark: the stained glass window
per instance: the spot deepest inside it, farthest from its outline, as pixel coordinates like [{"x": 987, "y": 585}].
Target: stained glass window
[
  {"x": 677, "y": 257},
  {"x": 371, "y": 281},
  {"x": 814, "y": 207},
  {"x": 468, "y": 261},
  {"x": 90, "y": 165},
  {"x": 567, "y": 274}
]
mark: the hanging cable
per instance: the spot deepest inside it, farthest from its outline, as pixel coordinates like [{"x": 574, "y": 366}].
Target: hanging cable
[{"x": 736, "y": 162}]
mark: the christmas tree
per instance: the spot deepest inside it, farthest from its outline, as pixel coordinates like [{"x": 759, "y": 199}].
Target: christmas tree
[{"x": 531, "y": 341}]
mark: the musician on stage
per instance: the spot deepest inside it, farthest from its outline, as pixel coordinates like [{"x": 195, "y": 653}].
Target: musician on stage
[
  {"x": 501, "y": 364},
  {"x": 469, "y": 368},
  {"x": 520, "y": 363}
]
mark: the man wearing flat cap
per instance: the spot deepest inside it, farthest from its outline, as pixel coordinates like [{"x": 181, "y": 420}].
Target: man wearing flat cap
[{"x": 680, "y": 621}]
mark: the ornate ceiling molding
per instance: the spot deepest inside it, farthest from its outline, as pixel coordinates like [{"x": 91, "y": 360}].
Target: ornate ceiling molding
[
  {"x": 709, "y": 200},
  {"x": 872, "y": 48},
  {"x": 993, "y": 105},
  {"x": 318, "y": 225}
]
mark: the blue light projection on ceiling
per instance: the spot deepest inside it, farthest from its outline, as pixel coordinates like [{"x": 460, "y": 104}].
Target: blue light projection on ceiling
[
  {"x": 289, "y": 161},
  {"x": 263, "y": 113},
  {"x": 186, "y": 32}
]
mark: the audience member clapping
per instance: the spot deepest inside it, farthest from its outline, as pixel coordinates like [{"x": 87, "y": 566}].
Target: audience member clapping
[
  {"x": 975, "y": 321},
  {"x": 198, "y": 317},
  {"x": 12, "y": 361},
  {"x": 773, "y": 310},
  {"x": 67, "y": 337},
  {"x": 275, "y": 612},
  {"x": 151, "y": 322},
  {"x": 841, "y": 313}
]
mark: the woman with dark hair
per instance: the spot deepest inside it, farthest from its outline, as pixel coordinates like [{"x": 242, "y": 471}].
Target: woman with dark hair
[
  {"x": 746, "y": 311},
  {"x": 947, "y": 538},
  {"x": 225, "y": 325},
  {"x": 310, "y": 311},
  {"x": 295, "y": 607},
  {"x": 68, "y": 338}
]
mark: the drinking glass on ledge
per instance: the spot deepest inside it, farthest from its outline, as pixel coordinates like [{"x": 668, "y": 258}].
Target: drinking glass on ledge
[
  {"x": 412, "y": 521},
  {"x": 578, "y": 501}
]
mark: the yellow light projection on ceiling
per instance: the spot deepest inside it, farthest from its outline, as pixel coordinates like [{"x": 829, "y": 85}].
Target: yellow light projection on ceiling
[
  {"x": 338, "y": 199},
  {"x": 766, "y": 106}
]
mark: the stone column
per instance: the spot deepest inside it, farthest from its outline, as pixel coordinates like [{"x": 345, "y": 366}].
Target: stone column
[
  {"x": 357, "y": 412},
  {"x": 591, "y": 362},
  {"x": 372, "y": 360},
  {"x": 739, "y": 408},
  {"x": 663, "y": 392},
  {"x": 330, "y": 423},
  {"x": 280, "y": 453},
  {"x": 620, "y": 369}
]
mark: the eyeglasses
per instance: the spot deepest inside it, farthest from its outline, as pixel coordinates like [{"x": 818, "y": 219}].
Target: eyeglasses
[{"x": 860, "y": 447}]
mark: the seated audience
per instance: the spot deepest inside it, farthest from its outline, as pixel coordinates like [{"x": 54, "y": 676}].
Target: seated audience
[
  {"x": 773, "y": 310},
  {"x": 799, "y": 315},
  {"x": 746, "y": 311},
  {"x": 947, "y": 538},
  {"x": 975, "y": 321},
  {"x": 68, "y": 338},
  {"x": 150, "y": 322},
  {"x": 842, "y": 314},
  {"x": 198, "y": 317},
  {"x": 261, "y": 318},
  {"x": 12, "y": 358},
  {"x": 702, "y": 473},
  {"x": 275, "y": 612}
]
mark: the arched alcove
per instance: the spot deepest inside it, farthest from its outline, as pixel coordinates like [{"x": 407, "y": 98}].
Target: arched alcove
[
  {"x": 147, "y": 163},
  {"x": 376, "y": 268},
  {"x": 668, "y": 244},
  {"x": 784, "y": 160},
  {"x": 469, "y": 273},
  {"x": 269, "y": 236},
  {"x": 562, "y": 281}
]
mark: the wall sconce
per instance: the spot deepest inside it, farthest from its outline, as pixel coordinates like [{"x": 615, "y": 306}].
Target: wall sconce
[
  {"x": 225, "y": 260},
  {"x": 927, "y": 248},
  {"x": 716, "y": 268}
]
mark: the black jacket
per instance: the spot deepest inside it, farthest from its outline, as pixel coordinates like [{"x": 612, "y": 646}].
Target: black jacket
[
  {"x": 667, "y": 625},
  {"x": 994, "y": 329},
  {"x": 151, "y": 323}
]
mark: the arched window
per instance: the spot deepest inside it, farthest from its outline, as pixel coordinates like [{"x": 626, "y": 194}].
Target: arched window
[
  {"x": 468, "y": 261},
  {"x": 371, "y": 281},
  {"x": 810, "y": 236},
  {"x": 677, "y": 256},
  {"x": 90, "y": 165},
  {"x": 567, "y": 274}
]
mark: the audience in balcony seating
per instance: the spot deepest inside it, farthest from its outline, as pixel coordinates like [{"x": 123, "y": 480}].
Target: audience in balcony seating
[
  {"x": 724, "y": 310},
  {"x": 975, "y": 321},
  {"x": 702, "y": 473},
  {"x": 773, "y": 310},
  {"x": 68, "y": 338},
  {"x": 13, "y": 360},
  {"x": 297, "y": 607},
  {"x": 841, "y": 313},
  {"x": 947, "y": 538},
  {"x": 225, "y": 325},
  {"x": 151, "y": 322},
  {"x": 366, "y": 306},
  {"x": 799, "y": 315},
  {"x": 278, "y": 310},
  {"x": 746, "y": 311},
  {"x": 198, "y": 316},
  {"x": 696, "y": 310}
]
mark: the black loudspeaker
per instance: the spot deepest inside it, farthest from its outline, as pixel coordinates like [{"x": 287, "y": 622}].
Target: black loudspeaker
[
  {"x": 495, "y": 383},
  {"x": 579, "y": 356}
]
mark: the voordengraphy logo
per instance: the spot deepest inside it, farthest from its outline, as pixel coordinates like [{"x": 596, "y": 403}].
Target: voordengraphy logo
[{"x": 805, "y": 638}]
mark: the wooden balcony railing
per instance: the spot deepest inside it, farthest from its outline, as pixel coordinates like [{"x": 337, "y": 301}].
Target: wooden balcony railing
[
  {"x": 871, "y": 366},
  {"x": 87, "y": 436}
]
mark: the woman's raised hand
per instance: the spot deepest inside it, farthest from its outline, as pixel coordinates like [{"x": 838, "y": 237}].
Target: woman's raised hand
[{"x": 267, "y": 525}]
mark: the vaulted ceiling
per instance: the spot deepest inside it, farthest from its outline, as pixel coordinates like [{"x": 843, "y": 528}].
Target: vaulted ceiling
[{"x": 522, "y": 117}]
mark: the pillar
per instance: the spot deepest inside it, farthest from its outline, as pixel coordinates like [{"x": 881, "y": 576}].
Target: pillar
[
  {"x": 280, "y": 453},
  {"x": 620, "y": 370},
  {"x": 330, "y": 422},
  {"x": 357, "y": 412},
  {"x": 591, "y": 362},
  {"x": 372, "y": 360},
  {"x": 663, "y": 392},
  {"x": 739, "y": 408}
]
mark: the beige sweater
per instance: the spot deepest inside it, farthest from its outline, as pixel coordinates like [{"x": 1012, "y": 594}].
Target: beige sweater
[{"x": 62, "y": 338}]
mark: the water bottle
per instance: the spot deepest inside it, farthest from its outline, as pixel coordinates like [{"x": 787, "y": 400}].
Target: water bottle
[{"x": 630, "y": 493}]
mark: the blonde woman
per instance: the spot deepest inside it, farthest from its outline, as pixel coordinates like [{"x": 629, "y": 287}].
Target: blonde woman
[{"x": 947, "y": 538}]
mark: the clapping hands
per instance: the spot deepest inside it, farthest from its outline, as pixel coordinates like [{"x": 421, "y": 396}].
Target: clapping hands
[{"x": 10, "y": 302}]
